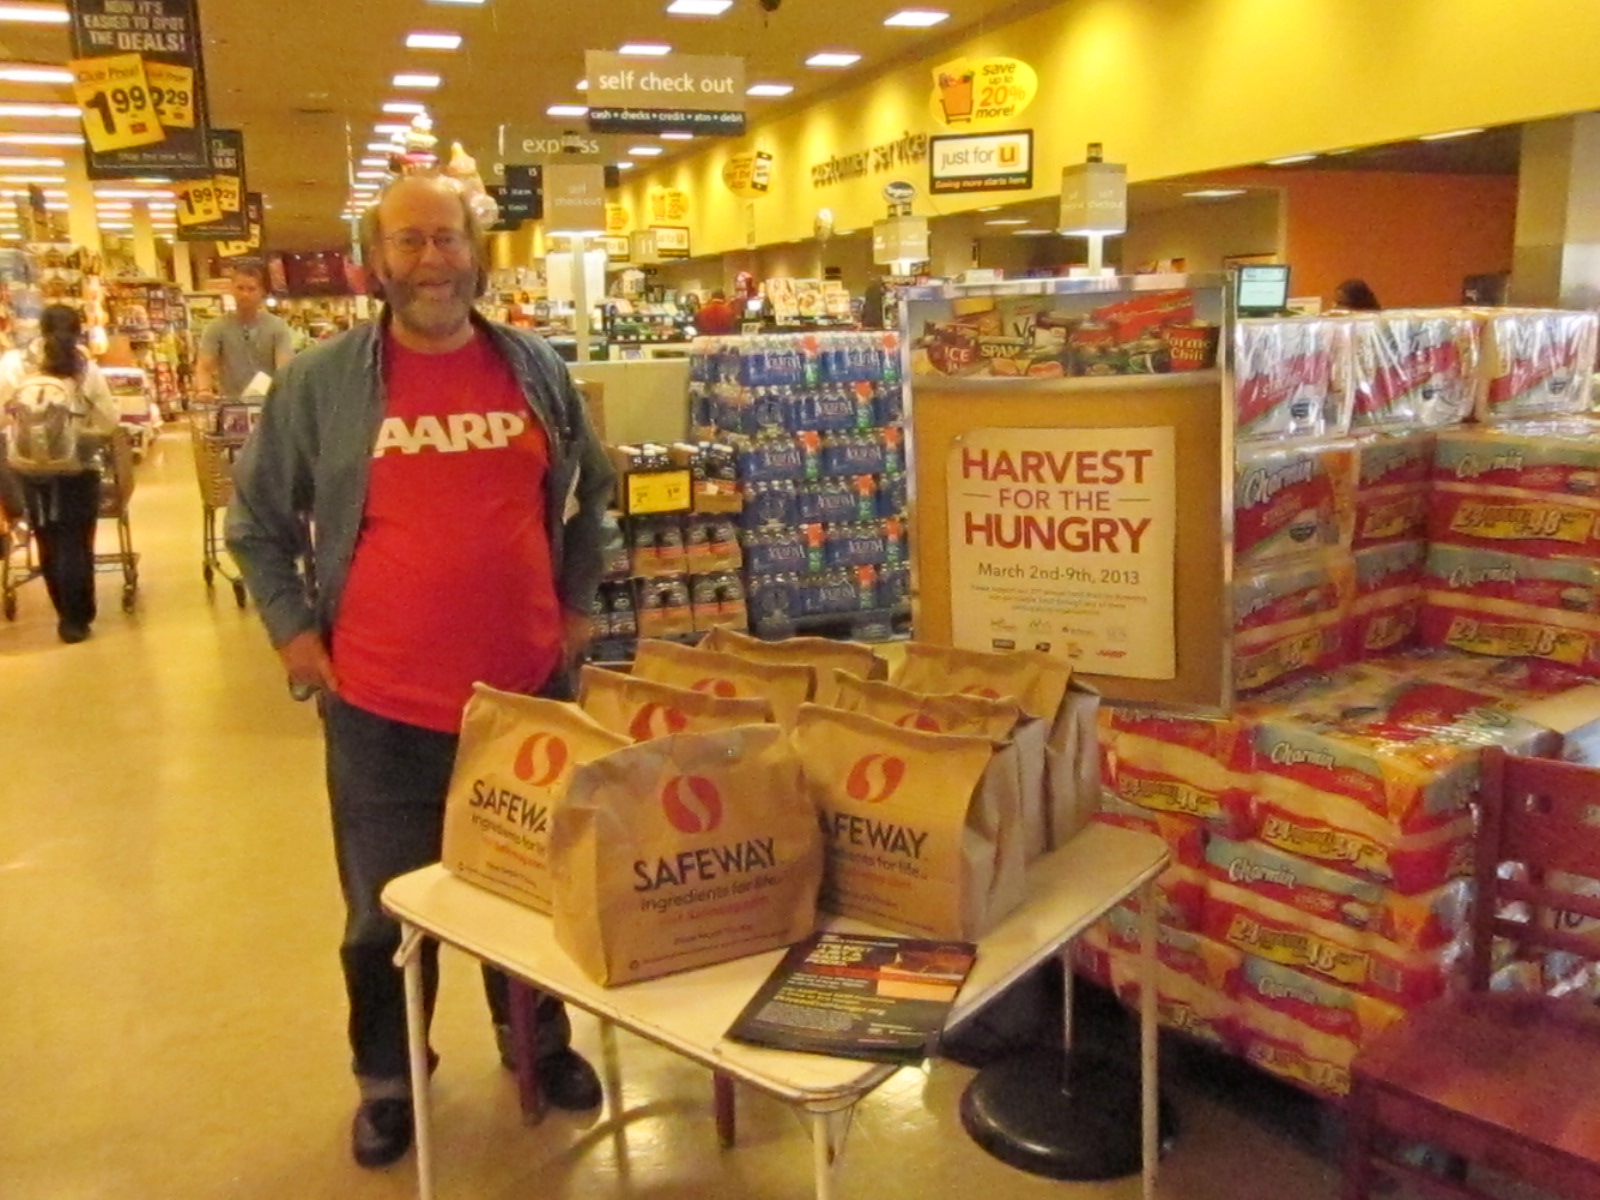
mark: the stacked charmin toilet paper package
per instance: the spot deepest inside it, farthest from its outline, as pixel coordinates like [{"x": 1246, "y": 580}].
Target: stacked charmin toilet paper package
[{"x": 1404, "y": 583}]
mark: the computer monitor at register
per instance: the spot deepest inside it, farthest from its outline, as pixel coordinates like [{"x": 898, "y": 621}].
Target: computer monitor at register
[{"x": 1262, "y": 290}]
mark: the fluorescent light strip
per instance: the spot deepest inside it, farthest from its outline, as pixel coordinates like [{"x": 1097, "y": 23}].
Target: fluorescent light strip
[
  {"x": 1007, "y": 221},
  {"x": 567, "y": 110},
  {"x": 769, "y": 89},
  {"x": 391, "y": 128},
  {"x": 624, "y": 166},
  {"x": 916, "y": 18},
  {"x": 413, "y": 79},
  {"x": 33, "y": 14},
  {"x": 833, "y": 58},
  {"x": 404, "y": 107},
  {"x": 644, "y": 151},
  {"x": 33, "y": 178},
  {"x": 433, "y": 41},
  {"x": 374, "y": 161},
  {"x": 1289, "y": 160},
  {"x": 381, "y": 147},
  {"x": 372, "y": 174},
  {"x": 665, "y": 137},
  {"x": 29, "y": 163},
  {"x": 61, "y": 112},
  {"x": 31, "y": 73},
  {"x": 645, "y": 49},
  {"x": 1214, "y": 193},
  {"x": 1453, "y": 133},
  {"x": 1032, "y": 232},
  {"x": 699, "y": 8},
  {"x": 124, "y": 194},
  {"x": 41, "y": 139}
]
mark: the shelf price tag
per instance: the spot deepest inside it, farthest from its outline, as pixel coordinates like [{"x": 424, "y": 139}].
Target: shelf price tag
[
  {"x": 197, "y": 202},
  {"x": 172, "y": 90},
  {"x": 658, "y": 492},
  {"x": 118, "y": 110},
  {"x": 230, "y": 193}
]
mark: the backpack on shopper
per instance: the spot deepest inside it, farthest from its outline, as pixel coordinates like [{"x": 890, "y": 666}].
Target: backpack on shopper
[{"x": 43, "y": 425}]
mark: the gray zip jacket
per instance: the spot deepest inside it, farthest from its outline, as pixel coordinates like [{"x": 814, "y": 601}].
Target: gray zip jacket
[{"x": 311, "y": 457}]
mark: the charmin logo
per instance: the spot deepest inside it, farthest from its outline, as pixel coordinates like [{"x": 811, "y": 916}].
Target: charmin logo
[
  {"x": 919, "y": 720},
  {"x": 692, "y": 804},
  {"x": 723, "y": 688},
  {"x": 981, "y": 690},
  {"x": 541, "y": 759},
  {"x": 1262, "y": 484},
  {"x": 875, "y": 778},
  {"x": 656, "y": 720}
]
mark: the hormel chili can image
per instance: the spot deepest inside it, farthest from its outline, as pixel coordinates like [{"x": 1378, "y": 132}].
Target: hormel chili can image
[
  {"x": 922, "y": 830},
  {"x": 684, "y": 850},
  {"x": 516, "y": 756}
]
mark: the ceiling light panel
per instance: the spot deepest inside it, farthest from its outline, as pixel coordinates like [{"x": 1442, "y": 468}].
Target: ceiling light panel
[
  {"x": 416, "y": 80},
  {"x": 1454, "y": 133},
  {"x": 1289, "y": 160},
  {"x": 833, "y": 59},
  {"x": 567, "y": 110},
  {"x": 645, "y": 49},
  {"x": 405, "y": 107},
  {"x": 769, "y": 89},
  {"x": 916, "y": 18},
  {"x": 699, "y": 8},
  {"x": 644, "y": 151},
  {"x": 33, "y": 14},
  {"x": 33, "y": 73},
  {"x": 433, "y": 41},
  {"x": 56, "y": 112},
  {"x": 41, "y": 139}
]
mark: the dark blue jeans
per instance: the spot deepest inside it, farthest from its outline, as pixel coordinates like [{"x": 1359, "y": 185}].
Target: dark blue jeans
[{"x": 387, "y": 782}]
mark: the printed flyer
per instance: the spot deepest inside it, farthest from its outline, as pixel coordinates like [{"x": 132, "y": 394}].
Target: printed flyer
[
  {"x": 1064, "y": 540},
  {"x": 856, "y": 996}
]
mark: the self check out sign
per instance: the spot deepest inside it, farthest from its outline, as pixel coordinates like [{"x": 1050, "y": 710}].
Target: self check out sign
[
  {"x": 686, "y": 93},
  {"x": 981, "y": 162}
]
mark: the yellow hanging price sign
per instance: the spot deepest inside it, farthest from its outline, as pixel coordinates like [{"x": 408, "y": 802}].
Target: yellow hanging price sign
[
  {"x": 118, "y": 111},
  {"x": 197, "y": 202},
  {"x": 230, "y": 193},
  {"x": 172, "y": 92}
]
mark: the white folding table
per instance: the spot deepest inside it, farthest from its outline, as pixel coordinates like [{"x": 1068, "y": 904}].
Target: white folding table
[{"x": 1067, "y": 891}]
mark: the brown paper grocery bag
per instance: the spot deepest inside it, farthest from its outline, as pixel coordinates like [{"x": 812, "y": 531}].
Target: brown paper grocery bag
[
  {"x": 725, "y": 675},
  {"x": 1042, "y": 686},
  {"x": 823, "y": 655},
  {"x": 644, "y": 709},
  {"x": 1002, "y": 721},
  {"x": 684, "y": 851},
  {"x": 922, "y": 835},
  {"x": 513, "y": 762}
]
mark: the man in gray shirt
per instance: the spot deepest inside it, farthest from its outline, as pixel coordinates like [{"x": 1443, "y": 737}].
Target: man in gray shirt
[{"x": 238, "y": 344}]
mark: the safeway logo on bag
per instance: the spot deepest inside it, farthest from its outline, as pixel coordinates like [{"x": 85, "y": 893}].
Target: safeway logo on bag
[
  {"x": 655, "y": 720},
  {"x": 724, "y": 688},
  {"x": 919, "y": 720},
  {"x": 541, "y": 759},
  {"x": 692, "y": 804},
  {"x": 875, "y": 778}
]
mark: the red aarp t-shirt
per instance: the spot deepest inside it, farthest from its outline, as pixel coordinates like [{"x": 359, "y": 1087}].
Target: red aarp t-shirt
[{"x": 451, "y": 582}]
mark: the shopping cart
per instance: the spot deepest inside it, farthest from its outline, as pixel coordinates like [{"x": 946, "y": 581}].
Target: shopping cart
[
  {"x": 19, "y": 562},
  {"x": 136, "y": 406},
  {"x": 213, "y": 464}
]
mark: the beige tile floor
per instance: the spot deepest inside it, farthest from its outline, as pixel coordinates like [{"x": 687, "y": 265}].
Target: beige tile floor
[{"x": 171, "y": 1021}]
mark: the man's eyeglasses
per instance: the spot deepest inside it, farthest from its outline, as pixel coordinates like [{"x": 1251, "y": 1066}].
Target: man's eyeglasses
[{"x": 412, "y": 242}]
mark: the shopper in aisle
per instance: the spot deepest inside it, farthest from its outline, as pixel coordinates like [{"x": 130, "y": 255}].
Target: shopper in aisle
[
  {"x": 1353, "y": 295},
  {"x": 62, "y": 506},
  {"x": 456, "y": 490},
  {"x": 716, "y": 315},
  {"x": 239, "y": 344}
]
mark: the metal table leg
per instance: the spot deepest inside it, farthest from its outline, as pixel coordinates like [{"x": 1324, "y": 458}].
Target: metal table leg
[
  {"x": 409, "y": 957},
  {"x": 828, "y": 1130},
  {"x": 1149, "y": 1065}
]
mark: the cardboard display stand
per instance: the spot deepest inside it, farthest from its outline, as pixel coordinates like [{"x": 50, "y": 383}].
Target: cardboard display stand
[{"x": 1072, "y": 479}]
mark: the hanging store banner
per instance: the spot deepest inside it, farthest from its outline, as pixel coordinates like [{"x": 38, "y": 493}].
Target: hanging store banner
[
  {"x": 668, "y": 205},
  {"x": 981, "y": 162},
  {"x": 1094, "y": 199},
  {"x": 1065, "y": 540},
  {"x": 574, "y": 199},
  {"x": 139, "y": 76},
  {"x": 676, "y": 93},
  {"x": 550, "y": 141},
  {"x": 255, "y": 218},
  {"x": 523, "y": 200},
  {"x": 967, "y": 91},
  {"x": 228, "y": 188},
  {"x": 748, "y": 175}
]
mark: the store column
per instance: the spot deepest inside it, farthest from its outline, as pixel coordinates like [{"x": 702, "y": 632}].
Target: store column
[
  {"x": 145, "y": 256},
  {"x": 83, "y": 228},
  {"x": 182, "y": 266},
  {"x": 1557, "y": 259}
]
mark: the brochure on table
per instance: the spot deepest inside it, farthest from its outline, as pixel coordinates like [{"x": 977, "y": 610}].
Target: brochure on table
[{"x": 1072, "y": 478}]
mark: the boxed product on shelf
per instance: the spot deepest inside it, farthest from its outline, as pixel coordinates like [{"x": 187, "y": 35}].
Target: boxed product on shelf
[
  {"x": 664, "y": 608},
  {"x": 1266, "y": 657},
  {"x": 1557, "y": 456},
  {"x": 1412, "y": 369},
  {"x": 1480, "y": 624},
  {"x": 718, "y": 600},
  {"x": 1516, "y": 520},
  {"x": 1535, "y": 362},
  {"x": 1183, "y": 1004},
  {"x": 1285, "y": 379},
  {"x": 1269, "y": 595},
  {"x": 1569, "y": 585},
  {"x": 1290, "y": 500},
  {"x": 1386, "y": 610},
  {"x": 657, "y": 546}
]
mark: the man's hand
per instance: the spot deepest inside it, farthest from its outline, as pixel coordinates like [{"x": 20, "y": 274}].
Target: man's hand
[
  {"x": 576, "y": 630},
  {"x": 306, "y": 660}
]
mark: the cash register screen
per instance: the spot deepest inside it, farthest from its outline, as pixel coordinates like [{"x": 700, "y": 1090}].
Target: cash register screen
[{"x": 1263, "y": 289}]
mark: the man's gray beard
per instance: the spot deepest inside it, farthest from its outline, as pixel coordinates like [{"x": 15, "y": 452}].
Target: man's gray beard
[{"x": 405, "y": 306}]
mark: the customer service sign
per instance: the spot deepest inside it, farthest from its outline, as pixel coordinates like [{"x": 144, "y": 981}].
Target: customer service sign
[{"x": 1064, "y": 540}]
